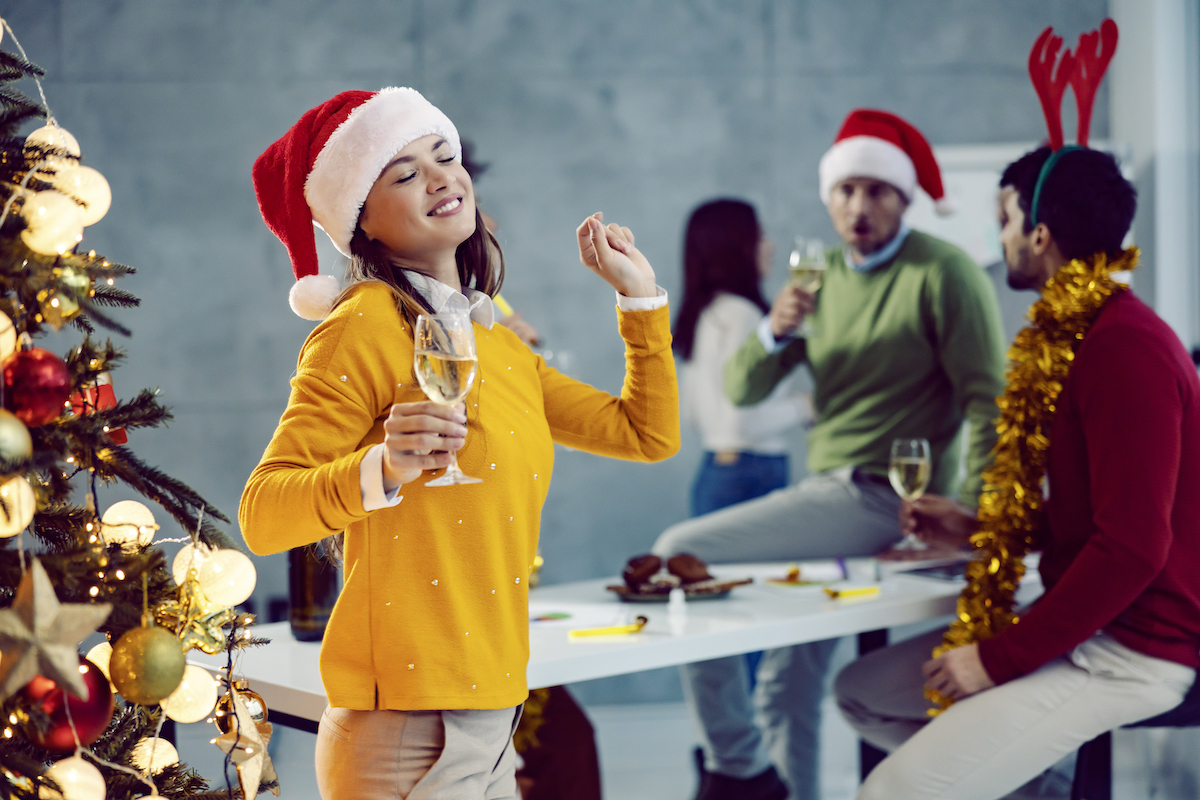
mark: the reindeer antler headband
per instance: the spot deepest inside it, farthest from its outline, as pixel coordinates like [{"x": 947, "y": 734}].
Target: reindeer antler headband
[{"x": 1083, "y": 70}]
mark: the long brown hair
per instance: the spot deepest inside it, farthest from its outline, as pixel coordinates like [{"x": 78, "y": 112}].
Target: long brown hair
[
  {"x": 720, "y": 254},
  {"x": 480, "y": 266}
]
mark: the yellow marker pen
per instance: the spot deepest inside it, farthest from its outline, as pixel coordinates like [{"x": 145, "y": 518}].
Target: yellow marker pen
[
  {"x": 502, "y": 306},
  {"x": 858, "y": 591},
  {"x": 610, "y": 630}
]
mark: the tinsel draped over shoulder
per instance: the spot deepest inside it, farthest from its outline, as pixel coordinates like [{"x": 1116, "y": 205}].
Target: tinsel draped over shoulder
[{"x": 1011, "y": 507}]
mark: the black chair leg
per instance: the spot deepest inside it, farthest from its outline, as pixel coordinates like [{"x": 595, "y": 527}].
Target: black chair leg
[{"x": 1093, "y": 770}]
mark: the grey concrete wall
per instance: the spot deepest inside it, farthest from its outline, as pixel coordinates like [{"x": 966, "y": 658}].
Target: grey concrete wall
[{"x": 640, "y": 109}]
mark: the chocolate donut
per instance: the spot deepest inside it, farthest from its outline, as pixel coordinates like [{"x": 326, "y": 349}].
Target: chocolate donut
[
  {"x": 641, "y": 569},
  {"x": 689, "y": 568}
]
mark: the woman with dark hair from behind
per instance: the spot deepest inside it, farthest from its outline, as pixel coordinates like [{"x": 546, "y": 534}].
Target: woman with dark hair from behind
[{"x": 725, "y": 258}]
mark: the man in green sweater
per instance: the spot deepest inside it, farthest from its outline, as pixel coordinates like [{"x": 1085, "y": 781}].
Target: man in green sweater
[{"x": 906, "y": 342}]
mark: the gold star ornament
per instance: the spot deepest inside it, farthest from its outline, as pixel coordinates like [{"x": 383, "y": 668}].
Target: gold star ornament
[
  {"x": 40, "y": 636},
  {"x": 198, "y": 623},
  {"x": 246, "y": 743}
]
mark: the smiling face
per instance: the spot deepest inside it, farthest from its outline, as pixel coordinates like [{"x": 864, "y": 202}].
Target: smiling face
[
  {"x": 422, "y": 206},
  {"x": 866, "y": 213}
]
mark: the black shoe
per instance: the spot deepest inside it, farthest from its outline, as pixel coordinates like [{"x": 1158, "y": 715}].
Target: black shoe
[{"x": 766, "y": 785}]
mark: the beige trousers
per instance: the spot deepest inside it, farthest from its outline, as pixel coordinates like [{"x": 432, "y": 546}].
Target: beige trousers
[
  {"x": 417, "y": 755},
  {"x": 993, "y": 742}
]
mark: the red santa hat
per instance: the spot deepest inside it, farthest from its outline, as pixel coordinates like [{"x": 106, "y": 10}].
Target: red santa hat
[
  {"x": 320, "y": 171},
  {"x": 876, "y": 144}
]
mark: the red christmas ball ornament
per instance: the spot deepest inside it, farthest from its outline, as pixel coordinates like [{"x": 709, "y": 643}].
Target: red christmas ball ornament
[
  {"x": 91, "y": 715},
  {"x": 36, "y": 385}
]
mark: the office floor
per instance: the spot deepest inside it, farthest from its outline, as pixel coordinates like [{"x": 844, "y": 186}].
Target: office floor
[{"x": 645, "y": 753}]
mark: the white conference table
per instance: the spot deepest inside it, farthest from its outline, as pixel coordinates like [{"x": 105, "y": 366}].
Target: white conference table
[{"x": 753, "y": 617}]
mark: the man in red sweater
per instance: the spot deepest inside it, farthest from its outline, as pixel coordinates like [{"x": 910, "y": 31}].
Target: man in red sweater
[{"x": 1116, "y": 637}]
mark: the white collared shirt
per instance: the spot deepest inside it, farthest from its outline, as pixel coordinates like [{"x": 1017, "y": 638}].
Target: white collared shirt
[{"x": 443, "y": 298}]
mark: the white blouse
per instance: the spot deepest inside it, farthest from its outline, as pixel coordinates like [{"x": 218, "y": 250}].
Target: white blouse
[{"x": 721, "y": 330}]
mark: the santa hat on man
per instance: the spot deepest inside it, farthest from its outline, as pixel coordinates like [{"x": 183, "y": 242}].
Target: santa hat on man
[
  {"x": 320, "y": 171},
  {"x": 876, "y": 144}
]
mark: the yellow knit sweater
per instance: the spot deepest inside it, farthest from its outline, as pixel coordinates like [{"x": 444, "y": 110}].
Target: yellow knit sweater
[{"x": 434, "y": 611}]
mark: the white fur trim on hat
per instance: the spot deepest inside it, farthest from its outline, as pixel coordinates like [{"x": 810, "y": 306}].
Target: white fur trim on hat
[
  {"x": 867, "y": 157},
  {"x": 312, "y": 296},
  {"x": 358, "y": 151}
]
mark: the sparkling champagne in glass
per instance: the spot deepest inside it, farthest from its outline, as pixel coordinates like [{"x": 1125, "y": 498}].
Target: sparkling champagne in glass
[
  {"x": 807, "y": 267},
  {"x": 446, "y": 362},
  {"x": 909, "y": 472}
]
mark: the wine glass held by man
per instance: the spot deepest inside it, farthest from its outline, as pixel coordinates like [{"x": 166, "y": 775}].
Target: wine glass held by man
[{"x": 430, "y": 633}]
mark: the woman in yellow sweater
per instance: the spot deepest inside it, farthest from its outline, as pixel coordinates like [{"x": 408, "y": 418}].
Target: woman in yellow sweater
[{"x": 424, "y": 658}]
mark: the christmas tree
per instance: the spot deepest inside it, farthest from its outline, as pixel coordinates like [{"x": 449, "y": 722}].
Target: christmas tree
[{"x": 90, "y": 727}]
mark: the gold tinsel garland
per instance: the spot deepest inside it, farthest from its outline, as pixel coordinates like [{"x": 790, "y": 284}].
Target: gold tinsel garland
[{"x": 1011, "y": 505}]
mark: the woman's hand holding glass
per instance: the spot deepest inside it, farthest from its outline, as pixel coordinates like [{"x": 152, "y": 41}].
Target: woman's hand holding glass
[
  {"x": 420, "y": 436},
  {"x": 608, "y": 251},
  {"x": 445, "y": 362}
]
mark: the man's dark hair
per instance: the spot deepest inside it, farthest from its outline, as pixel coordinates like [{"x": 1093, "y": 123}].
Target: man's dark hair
[{"x": 1086, "y": 202}]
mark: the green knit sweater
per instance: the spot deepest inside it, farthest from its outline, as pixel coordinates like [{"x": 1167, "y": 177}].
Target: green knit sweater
[{"x": 908, "y": 349}]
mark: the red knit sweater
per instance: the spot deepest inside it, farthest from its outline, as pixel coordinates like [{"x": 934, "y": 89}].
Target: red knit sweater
[{"x": 1122, "y": 549}]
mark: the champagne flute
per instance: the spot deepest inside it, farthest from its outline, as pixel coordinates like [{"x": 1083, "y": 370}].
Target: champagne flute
[
  {"x": 446, "y": 362},
  {"x": 807, "y": 265},
  {"x": 909, "y": 472}
]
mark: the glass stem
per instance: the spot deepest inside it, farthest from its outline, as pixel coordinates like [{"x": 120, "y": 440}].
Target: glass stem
[{"x": 453, "y": 468}]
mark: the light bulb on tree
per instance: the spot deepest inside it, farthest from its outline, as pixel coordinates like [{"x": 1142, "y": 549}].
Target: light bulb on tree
[
  {"x": 87, "y": 186},
  {"x": 15, "y": 441},
  {"x": 52, "y": 136},
  {"x": 227, "y": 578},
  {"x": 195, "y": 697},
  {"x": 78, "y": 780},
  {"x": 190, "y": 558},
  {"x": 152, "y": 755},
  {"x": 53, "y": 223},
  {"x": 8, "y": 336},
  {"x": 100, "y": 656},
  {"x": 129, "y": 524},
  {"x": 19, "y": 504}
]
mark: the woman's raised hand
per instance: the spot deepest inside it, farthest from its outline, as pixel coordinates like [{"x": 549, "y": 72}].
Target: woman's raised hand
[
  {"x": 420, "y": 436},
  {"x": 608, "y": 251}
]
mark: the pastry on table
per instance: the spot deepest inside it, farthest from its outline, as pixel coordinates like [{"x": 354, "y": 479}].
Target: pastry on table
[{"x": 648, "y": 579}]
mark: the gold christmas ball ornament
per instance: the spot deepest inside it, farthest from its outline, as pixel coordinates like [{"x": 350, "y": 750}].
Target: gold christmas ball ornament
[
  {"x": 190, "y": 558},
  {"x": 147, "y": 664},
  {"x": 78, "y": 282},
  {"x": 152, "y": 755},
  {"x": 77, "y": 778},
  {"x": 57, "y": 307},
  {"x": 224, "y": 716},
  {"x": 227, "y": 578},
  {"x": 52, "y": 136},
  {"x": 195, "y": 697},
  {"x": 19, "y": 504},
  {"x": 88, "y": 188},
  {"x": 129, "y": 524},
  {"x": 53, "y": 223},
  {"x": 15, "y": 442},
  {"x": 8, "y": 336}
]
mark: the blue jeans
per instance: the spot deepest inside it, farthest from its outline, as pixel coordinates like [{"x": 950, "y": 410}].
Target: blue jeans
[{"x": 719, "y": 485}]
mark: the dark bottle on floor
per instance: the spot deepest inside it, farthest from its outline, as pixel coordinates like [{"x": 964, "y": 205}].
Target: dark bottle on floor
[{"x": 312, "y": 591}]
